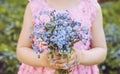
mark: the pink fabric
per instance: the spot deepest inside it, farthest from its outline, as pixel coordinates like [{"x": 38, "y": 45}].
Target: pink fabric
[{"x": 85, "y": 12}]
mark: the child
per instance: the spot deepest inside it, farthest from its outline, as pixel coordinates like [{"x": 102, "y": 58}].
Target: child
[{"x": 87, "y": 12}]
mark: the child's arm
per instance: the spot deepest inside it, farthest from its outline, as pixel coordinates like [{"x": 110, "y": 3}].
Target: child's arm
[
  {"x": 24, "y": 50},
  {"x": 97, "y": 54}
]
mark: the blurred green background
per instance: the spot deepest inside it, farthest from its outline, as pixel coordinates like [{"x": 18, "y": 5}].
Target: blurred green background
[{"x": 11, "y": 17}]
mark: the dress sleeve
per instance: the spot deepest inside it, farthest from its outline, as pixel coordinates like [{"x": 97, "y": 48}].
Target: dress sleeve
[
  {"x": 94, "y": 7},
  {"x": 35, "y": 6},
  {"x": 96, "y": 4}
]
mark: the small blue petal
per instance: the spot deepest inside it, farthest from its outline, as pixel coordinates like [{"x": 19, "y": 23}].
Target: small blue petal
[
  {"x": 84, "y": 41},
  {"x": 41, "y": 51},
  {"x": 35, "y": 48},
  {"x": 85, "y": 30},
  {"x": 30, "y": 37},
  {"x": 39, "y": 56}
]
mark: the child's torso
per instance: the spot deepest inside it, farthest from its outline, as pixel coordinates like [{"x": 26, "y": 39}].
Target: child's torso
[{"x": 84, "y": 13}]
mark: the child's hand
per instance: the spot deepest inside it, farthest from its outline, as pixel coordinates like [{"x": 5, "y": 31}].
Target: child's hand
[
  {"x": 51, "y": 62},
  {"x": 43, "y": 44},
  {"x": 73, "y": 61},
  {"x": 56, "y": 62}
]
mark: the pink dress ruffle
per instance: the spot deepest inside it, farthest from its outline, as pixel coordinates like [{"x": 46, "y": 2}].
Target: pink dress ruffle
[{"x": 85, "y": 12}]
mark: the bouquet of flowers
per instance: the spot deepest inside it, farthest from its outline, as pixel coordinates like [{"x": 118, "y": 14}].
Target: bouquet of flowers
[{"x": 60, "y": 34}]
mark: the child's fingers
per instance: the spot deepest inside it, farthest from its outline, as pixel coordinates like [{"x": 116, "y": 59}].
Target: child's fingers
[
  {"x": 61, "y": 66},
  {"x": 57, "y": 57},
  {"x": 40, "y": 39},
  {"x": 61, "y": 61},
  {"x": 57, "y": 53},
  {"x": 49, "y": 56},
  {"x": 53, "y": 65},
  {"x": 43, "y": 43},
  {"x": 68, "y": 65},
  {"x": 73, "y": 56},
  {"x": 73, "y": 63},
  {"x": 52, "y": 62},
  {"x": 45, "y": 47}
]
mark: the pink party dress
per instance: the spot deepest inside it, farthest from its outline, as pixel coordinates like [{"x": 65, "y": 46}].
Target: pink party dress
[{"x": 84, "y": 12}]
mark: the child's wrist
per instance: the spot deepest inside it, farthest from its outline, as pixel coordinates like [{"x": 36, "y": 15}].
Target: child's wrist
[{"x": 80, "y": 56}]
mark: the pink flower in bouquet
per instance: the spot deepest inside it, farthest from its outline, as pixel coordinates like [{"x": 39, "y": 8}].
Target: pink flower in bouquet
[
  {"x": 41, "y": 30},
  {"x": 37, "y": 21},
  {"x": 44, "y": 18}
]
